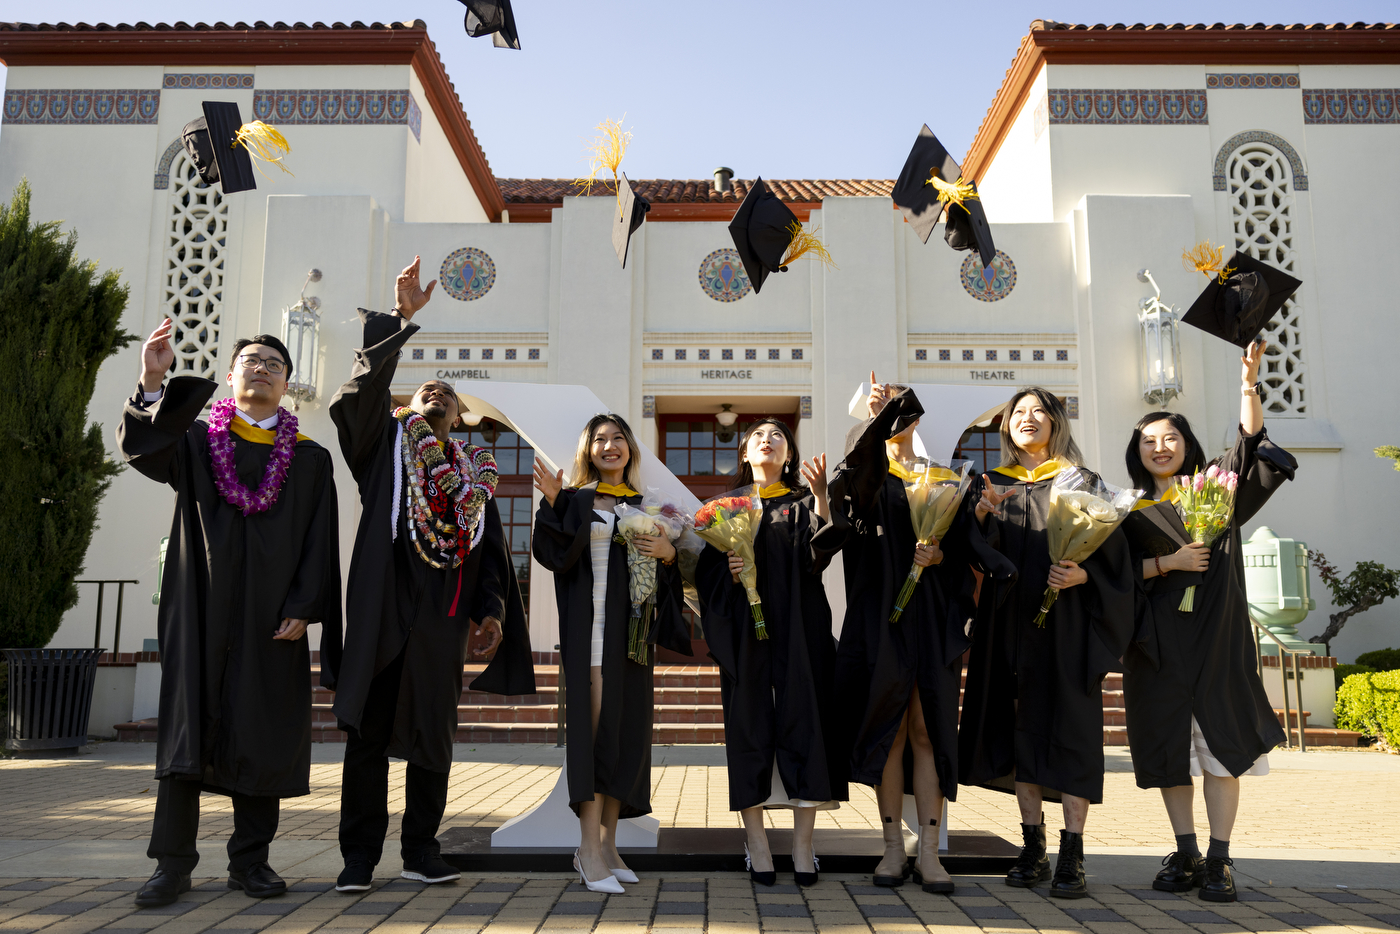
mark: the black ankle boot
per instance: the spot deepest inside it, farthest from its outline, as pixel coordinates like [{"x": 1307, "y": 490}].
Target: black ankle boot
[
  {"x": 1069, "y": 868},
  {"x": 1033, "y": 865}
]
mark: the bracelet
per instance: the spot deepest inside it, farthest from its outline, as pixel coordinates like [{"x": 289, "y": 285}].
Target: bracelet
[{"x": 1158, "y": 561}]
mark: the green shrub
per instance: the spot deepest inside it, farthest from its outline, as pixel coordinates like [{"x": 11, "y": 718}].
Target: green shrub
[
  {"x": 1380, "y": 659},
  {"x": 1370, "y": 704},
  {"x": 1342, "y": 672}
]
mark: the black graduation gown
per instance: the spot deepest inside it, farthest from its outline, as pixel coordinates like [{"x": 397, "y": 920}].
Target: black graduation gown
[
  {"x": 1033, "y": 705},
  {"x": 779, "y": 693},
  {"x": 617, "y": 762},
  {"x": 235, "y": 704},
  {"x": 395, "y": 602},
  {"x": 878, "y": 662},
  {"x": 1200, "y": 663}
]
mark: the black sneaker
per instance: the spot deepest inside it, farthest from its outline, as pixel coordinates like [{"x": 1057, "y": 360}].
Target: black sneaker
[
  {"x": 429, "y": 869},
  {"x": 355, "y": 877},
  {"x": 1182, "y": 873},
  {"x": 1219, "y": 882}
]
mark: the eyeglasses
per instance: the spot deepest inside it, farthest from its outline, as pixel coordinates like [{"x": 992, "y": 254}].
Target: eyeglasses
[{"x": 250, "y": 361}]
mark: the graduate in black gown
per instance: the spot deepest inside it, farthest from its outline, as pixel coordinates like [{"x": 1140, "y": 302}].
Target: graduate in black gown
[
  {"x": 1032, "y": 718},
  {"x": 781, "y": 731},
  {"x": 431, "y": 573},
  {"x": 609, "y": 750},
  {"x": 1194, "y": 700},
  {"x": 252, "y": 560},
  {"x": 900, "y": 680}
]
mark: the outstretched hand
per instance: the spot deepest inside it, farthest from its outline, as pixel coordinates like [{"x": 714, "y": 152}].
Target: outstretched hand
[
  {"x": 157, "y": 356},
  {"x": 547, "y": 483},
  {"x": 879, "y": 396},
  {"x": 814, "y": 472},
  {"x": 1249, "y": 363},
  {"x": 409, "y": 296},
  {"x": 485, "y": 639},
  {"x": 991, "y": 500}
]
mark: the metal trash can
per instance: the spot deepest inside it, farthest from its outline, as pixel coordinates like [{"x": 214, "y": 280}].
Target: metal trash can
[{"x": 50, "y": 697}]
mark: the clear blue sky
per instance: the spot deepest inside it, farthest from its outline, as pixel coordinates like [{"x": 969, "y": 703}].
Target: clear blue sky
[{"x": 786, "y": 90}]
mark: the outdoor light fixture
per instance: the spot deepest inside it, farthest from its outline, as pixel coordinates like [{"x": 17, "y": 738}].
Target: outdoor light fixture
[
  {"x": 300, "y": 325},
  {"x": 726, "y": 420},
  {"x": 1161, "y": 346}
]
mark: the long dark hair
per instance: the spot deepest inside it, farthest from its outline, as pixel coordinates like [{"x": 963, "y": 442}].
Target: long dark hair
[
  {"x": 792, "y": 475},
  {"x": 1061, "y": 444},
  {"x": 1142, "y": 477}
]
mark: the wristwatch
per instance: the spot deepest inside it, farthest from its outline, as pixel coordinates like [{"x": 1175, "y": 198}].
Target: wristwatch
[{"x": 1256, "y": 390}]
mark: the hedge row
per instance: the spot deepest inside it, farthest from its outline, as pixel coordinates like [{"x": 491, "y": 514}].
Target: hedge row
[{"x": 1370, "y": 703}]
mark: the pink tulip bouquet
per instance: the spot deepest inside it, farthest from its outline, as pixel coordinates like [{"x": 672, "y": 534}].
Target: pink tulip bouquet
[{"x": 1207, "y": 508}]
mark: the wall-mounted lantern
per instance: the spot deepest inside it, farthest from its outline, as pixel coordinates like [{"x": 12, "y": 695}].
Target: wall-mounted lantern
[
  {"x": 1160, "y": 357},
  {"x": 300, "y": 326}
]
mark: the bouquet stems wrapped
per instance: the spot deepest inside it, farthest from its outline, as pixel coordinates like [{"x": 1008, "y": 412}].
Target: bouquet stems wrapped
[
  {"x": 730, "y": 523},
  {"x": 935, "y": 493},
  {"x": 1207, "y": 506},
  {"x": 1083, "y": 513},
  {"x": 655, "y": 516}
]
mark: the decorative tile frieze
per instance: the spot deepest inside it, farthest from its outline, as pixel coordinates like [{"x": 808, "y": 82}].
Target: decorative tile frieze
[
  {"x": 208, "y": 81},
  {"x": 1351, "y": 105},
  {"x": 332, "y": 107},
  {"x": 1139, "y": 106},
  {"x": 52, "y": 107},
  {"x": 1295, "y": 162},
  {"x": 1254, "y": 81}
]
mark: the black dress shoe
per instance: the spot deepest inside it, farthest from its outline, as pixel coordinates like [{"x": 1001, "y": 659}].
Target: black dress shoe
[
  {"x": 1068, "y": 881},
  {"x": 258, "y": 880},
  {"x": 768, "y": 878},
  {"x": 809, "y": 878},
  {"x": 1219, "y": 882},
  {"x": 1033, "y": 865},
  {"x": 162, "y": 888},
  {"x": 1183, "y": 872}
]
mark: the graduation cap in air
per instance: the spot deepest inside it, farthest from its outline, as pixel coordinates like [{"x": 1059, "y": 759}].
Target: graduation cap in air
[
  {"x": 222, "y": 146},
  {"x": 491, "y": 18},
  {"x": 1240, "y": 299},
  {"x": 932, "y": 180},
  {"x": 631, "y": 210},
  {"x": 768, "y": 236}
]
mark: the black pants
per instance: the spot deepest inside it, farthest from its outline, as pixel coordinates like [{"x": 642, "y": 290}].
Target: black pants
[
  {"x": 177, "y": 824},
  {"x": 364, "y": 784}
]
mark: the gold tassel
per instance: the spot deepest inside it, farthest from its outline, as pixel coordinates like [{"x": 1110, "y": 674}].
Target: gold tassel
[
  {"x": 605, "y": 152},
  {"x": 803, "y": 243},
  {"x": 263, "y": 142},
  {"x": 956, "y": 193},
  {"x": 1207, "y": 259}
]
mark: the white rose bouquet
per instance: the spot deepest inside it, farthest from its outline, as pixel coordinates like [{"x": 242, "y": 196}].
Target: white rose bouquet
[
  {"x": 1083, "y": 514},
  {"x": 655, "y": 516}
]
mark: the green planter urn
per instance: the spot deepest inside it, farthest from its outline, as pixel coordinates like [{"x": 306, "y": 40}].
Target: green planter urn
[{"x": 1276, "y": 585}]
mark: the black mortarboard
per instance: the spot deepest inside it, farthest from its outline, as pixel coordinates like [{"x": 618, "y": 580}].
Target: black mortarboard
[
  {"x": 491, "y": 18},
  {"x": 212, "y": 144},
  {"x": 916, "y": 199},
  {"x": 967, "y": 227},
  {"x": 631, "y": 211},
  {"x": 762, "y": 232},
  {"x": 1239, "y": 308}
]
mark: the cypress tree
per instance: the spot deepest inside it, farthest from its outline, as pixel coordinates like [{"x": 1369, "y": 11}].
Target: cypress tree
[{"x": 59, "y": 320}]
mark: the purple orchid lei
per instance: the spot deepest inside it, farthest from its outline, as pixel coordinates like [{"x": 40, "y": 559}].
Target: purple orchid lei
[{"x": 226, "y": 474}]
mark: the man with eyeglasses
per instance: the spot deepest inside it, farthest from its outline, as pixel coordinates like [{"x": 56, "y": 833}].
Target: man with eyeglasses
[{"x": 253, "y": 559}]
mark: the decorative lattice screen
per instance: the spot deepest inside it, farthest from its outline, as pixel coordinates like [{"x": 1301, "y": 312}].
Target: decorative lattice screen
[
  {"x": 195, "y": 235},
  {"x": 1260, "y": 183}
]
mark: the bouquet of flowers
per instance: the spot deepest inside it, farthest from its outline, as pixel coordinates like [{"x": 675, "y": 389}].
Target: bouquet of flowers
[
  {"x": 1083, "y": 514},
  {"x": 655, "y": 516},
  {"x": 1207, "y": 505},
  {"x": 934, "y": 492},
  {"x": 730, "y": 523}
]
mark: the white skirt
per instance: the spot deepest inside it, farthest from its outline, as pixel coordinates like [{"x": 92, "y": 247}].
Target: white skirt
[{"x": 1201, "y": 758}]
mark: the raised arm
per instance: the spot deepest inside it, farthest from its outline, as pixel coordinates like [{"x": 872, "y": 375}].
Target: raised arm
[
  {"x": 361, "y": 409},
  {"x": 156, "y": 417},
  {"x": 1251, "y": 406}
]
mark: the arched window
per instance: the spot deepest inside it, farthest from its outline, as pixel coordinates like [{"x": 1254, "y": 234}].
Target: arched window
[
  {"x": 1260, "y": 181},
  {"x": 195, "y": 235}
]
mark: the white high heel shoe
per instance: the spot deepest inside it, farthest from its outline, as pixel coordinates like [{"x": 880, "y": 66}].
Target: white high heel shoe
[
  {"x": 625, "y": 875},
  {"x": 608, "y": 885}
]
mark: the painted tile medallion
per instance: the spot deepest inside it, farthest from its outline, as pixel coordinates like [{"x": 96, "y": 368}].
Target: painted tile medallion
[{"x": 467, "y": 274}]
